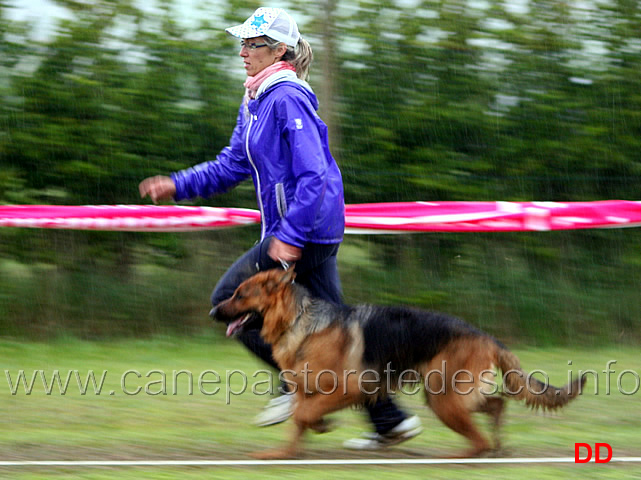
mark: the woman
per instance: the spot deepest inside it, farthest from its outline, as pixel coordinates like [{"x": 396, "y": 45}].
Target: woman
[{"x": 280, "y": 142}]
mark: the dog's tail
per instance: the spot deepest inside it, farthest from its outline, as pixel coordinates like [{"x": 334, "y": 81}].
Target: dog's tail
[{"x": 520, "y": 385}]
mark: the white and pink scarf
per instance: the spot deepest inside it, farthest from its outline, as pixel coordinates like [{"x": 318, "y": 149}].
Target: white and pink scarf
[{"x": 252, "y": 84}]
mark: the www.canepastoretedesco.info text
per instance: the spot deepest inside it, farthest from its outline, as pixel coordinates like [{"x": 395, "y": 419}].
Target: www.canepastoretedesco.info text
[{"x": 266, "y": 382}]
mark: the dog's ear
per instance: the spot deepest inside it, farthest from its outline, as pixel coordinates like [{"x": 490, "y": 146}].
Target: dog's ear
[{"x": 288, "y": 275}]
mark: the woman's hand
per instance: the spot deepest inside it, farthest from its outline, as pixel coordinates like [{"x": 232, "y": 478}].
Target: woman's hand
[
  {"x": 281, "y": 251},
  {"x": 158, "y": 188}
]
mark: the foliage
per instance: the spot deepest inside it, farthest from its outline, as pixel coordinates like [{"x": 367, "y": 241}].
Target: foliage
[{"x": 425, "y": 100}]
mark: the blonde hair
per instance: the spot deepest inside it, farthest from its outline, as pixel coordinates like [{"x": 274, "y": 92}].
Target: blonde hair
[{"x": 300, "y": 56}]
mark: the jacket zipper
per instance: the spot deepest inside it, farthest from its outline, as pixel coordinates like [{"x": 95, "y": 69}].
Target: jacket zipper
[
  {"x": 258, "y": 187},
  {"x": 281, "y": 199}
]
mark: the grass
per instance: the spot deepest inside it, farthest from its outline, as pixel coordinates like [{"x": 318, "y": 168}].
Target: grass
[{"x": 154, "y": 425}]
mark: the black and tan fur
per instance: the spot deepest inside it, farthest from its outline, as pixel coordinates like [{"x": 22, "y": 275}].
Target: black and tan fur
[{"x": 312, "y": 335}]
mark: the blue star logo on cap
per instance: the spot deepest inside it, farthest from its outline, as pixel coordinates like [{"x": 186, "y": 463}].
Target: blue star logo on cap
[{"x": 259, "y": 21}]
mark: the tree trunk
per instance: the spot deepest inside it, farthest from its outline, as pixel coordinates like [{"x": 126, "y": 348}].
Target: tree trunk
[{"x": 327, "y": 109}]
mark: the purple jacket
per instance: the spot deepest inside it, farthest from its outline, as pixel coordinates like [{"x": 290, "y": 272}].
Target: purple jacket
[{"x": 282, "y": 143}]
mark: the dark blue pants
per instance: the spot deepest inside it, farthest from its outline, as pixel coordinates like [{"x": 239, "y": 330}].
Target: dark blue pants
[{"x": 317, "y": 271}]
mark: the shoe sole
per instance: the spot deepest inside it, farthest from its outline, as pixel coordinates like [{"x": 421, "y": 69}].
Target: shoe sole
[
  {"x": 403, "y": 437},
  {"x": 269, "y": 424},
  {"x": 374, "y": 445},
  {"x": 273, "y": 421}
]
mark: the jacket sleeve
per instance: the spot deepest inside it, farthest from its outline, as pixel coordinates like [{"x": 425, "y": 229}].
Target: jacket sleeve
[
  {"x": 299, "y": 126},
  {"x": 217, "y": 176}
]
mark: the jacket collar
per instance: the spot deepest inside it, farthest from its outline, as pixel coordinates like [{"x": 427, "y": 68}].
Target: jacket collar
[{"x": 279, "y": 77}]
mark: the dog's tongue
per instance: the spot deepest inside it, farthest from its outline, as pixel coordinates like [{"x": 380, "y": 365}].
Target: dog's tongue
[{"x": 232, "y": 326}]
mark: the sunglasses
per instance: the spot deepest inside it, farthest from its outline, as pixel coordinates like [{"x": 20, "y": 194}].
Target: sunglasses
[{"x": 251, "y": 46}]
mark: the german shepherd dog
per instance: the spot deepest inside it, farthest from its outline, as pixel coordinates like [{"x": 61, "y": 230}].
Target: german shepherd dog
[{"x": 336, "y": 356}]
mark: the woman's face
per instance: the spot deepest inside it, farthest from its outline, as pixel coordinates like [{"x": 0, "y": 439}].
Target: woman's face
[{"x": 261, "y": 57}]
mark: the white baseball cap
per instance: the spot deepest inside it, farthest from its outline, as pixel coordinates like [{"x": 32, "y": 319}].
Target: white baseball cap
[{"x": 275, "y": 23}]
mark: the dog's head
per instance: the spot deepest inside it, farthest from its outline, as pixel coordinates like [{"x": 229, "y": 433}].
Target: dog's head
[{"x": 262, "y": 301}]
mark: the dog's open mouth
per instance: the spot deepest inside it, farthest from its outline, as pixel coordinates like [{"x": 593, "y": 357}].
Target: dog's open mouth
[{"x": 237, "y": 324}]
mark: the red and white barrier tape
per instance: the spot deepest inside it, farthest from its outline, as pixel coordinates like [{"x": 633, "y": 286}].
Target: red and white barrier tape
[
  {"x": 491, "y": 216},
  {"x": 132, "y": 218},
  {"x": 360, "y": 218}
]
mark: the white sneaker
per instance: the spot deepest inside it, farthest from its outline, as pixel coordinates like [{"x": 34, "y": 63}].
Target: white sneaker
[
  {"x": 276, "y": 411},
  {"x": 407, "y": 429}
]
